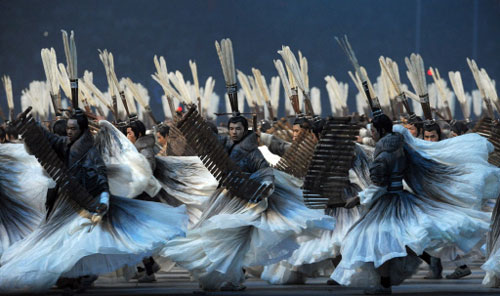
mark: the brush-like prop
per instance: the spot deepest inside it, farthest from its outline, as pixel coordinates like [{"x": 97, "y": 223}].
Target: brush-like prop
[
  {"x": 71, "y": 61},
  {"x": 140, "y": 99},
  {"x": 416, "y": 75},
  {"x": 207, "y": 94},
  {"x": 363, "y": 92},
  {"x": 298, "y": 77},
  {"x": 194, "y": 72},
  {"x": 292, "y": 96},
  {"x": 275, "y": 93},
  {"x": 249, "y": 95},
  {"x": 49, "y": 61},
  {"x": 489, "y": 89},
  {"x": 226, "y": 57},
  {"x": 88, "y": 81},
  {"x": 161, "y": 76},
  {"x": 258, "y": 99},
  {"x": 390, "y": 68},
  {"x": 106, "y": 59},
  {"x": 337, "y": 93},
  {"x": 264, "y": 91},
  {"x": 390, "y": 93},
  {"x": 178, "y": 82},
  {"x": 440, "y": 84},
  {"x": 7, "y": 84},
  {"x": 458, "y": 88},
  {"x": 370, "y": 95},
  {"x": 114, "y": 80},
  {"x": 477, "y": 77}
]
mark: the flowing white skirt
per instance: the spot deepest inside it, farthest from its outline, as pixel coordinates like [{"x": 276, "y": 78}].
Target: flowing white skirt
[
  {"x": 130, "y": 231},
  {"x": 399, "y": 220},
  {"x": 23, "y": 190},
  {"x": 237, "y": 234}
]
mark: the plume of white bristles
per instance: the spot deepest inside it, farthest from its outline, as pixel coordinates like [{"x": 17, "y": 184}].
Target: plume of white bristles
[
  {"x": 458, "y": 88},
  {"x": 284, "y": 79},
  {"x": 416, "y": 73},
  {"x": 337, "y": 93},
  {"x": 294, "y": 68},
  {"x": 247, "y": 90},
  {"x": 316, "y": 100},
  {"x": 88, "y": 81},
  {"x": 64, "y": 80},
  {"x": 194, "y": 72},
  {"x": 489, "y": 89},
  {"x": 49, "y": 61},
  {"x": 70, "y": 51},
  {"x": 37, "y": 96},
  {"x": 7, "y": 84},
  {"x": 275, "y": 93},
  {"x": 182, "y": 92},
  {"x": 226, "y": 57},
  {"x": 108, "y": 63},
  {"x": 480, "y": 82}
]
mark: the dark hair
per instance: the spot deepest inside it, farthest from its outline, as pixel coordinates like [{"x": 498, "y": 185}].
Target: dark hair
[
  {"x": 318, "y": 125},
  {"x": 2, "y": 134},
  {"x": 138, "y": 128},
  {"x": 303, "y": 122},
  {"x": 164, "y": 130},
  {"x": 81, "y": 119},
  {"x": 458, "y": 127},
  {"x": 264, "y": 125},
  {"x": 213, "y": 127},
  {"x": 433, "y": 126},
  {"x": 236, "y": 119},
  {"x": 59, "y": 127},
  {"x": 417, "y": 122},
  {"x": 11, "y": 132},
  {"x": 383, "y": 124}
]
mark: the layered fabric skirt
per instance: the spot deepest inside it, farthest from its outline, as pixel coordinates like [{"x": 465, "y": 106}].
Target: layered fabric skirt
[
  {"x": 186, "y": 179},
  {"x": 23, "y": 189},
  {"x": 233, "y": 234},
  {"x": 67, "y": 245},
  {"x": 398, "y": 220}
]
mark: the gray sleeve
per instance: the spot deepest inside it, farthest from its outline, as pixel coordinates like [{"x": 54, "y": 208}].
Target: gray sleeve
[{"x": 275, "y": 145}]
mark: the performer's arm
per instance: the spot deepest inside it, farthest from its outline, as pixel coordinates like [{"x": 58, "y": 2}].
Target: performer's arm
[{"x": 275, "y": 145}]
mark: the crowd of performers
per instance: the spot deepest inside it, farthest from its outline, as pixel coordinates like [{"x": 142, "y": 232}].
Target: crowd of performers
[{"x": 416, "y": 190}]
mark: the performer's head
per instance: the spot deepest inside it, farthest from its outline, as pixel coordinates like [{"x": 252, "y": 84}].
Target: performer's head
[
  {"x": 77, "y": 124},
  {"x": 238, "y": 127},
  {"x": 458, "y": 128},
  {"x": 59, "y": 127},
  {"x": 162, "y": 135},
  {"x": 2, "y": 135},
  {"x": 432, "y": 132},
  {"x": 135, "y": 130},
  {"x": 415, "y": 126},
  {"x": 381, "y": 126},
  {"x": 299, "y": 124},
  {"x": 11, "y": 134}
]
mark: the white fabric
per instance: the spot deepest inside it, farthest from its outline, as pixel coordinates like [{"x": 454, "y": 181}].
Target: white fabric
[
  {"x": 272, "y": 158},
  {"x": 131, "y": 230},
  {"x": 188, "y": 180},
  {"x": 422, "y": 224},
  {"x": 23, "y": 186},
  {"x": 243, "y": 234}
]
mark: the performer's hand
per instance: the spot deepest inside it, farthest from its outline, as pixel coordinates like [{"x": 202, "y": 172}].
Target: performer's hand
[
  {"x": 352, "y": 202},
  {"x": 102, "y": 208}
]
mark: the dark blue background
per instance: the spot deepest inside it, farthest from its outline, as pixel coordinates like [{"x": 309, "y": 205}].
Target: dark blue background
[{"x": 444, "y": 32}]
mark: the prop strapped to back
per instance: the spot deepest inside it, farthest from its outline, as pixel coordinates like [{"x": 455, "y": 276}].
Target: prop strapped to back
[
  {"x": 202, "y": 140},
  {"x": 40, "y": 147},
  {"x": 328, "y": 175}
]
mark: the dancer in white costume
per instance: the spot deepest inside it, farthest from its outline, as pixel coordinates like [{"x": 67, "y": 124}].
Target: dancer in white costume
[
  {"x": 68, "y": 244},
  {"x": 23, "y": 188},
  {"x": 234, "y": 233},
  {"x": 381, "y": 248},
  {"x": 317, "y": 253}
]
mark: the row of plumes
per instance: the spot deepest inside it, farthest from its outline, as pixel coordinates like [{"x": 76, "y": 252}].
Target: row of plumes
[{"x": 260, "y": 95}]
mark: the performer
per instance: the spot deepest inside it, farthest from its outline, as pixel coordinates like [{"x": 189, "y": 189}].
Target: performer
[
  {"x": 122, "y": 237},
  {"x": 415, "y": 125},
  {"x": 234, "y": 233},
  {"x": 278, "y": 146},
  {"x": 381, "y": 249},
  {"x": 162, "y": 136},
  {"x": 136, "y": 133}
]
